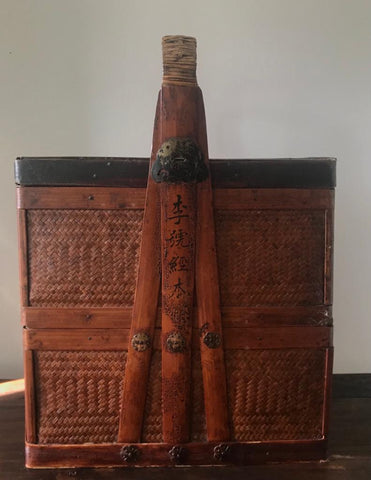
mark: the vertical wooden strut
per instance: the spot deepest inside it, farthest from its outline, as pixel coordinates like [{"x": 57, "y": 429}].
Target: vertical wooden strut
[
  {"x": 144, "y": 312},
  {"x": 208, "y": 304},
  {"x": 178, "y": 243}
]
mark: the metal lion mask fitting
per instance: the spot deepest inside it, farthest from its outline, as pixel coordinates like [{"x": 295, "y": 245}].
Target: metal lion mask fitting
[{"x": 179, "y": 160}]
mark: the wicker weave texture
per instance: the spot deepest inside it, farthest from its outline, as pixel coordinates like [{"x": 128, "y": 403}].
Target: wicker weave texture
[
  {"x": 90, "y": 257},
  {"x": 85, "y": 258},
  {"x": 271, "y": 257},
  {"x": 78, "y": 395},
  {"x": 275, "y": 394},
  {"x": 152, "y": 425}
]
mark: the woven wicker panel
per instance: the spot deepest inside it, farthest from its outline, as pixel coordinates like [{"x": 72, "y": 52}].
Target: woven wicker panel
[
  {"x": 275, "y": 394},
  {"x": 83, "y": 257},
  {"x": 78, "y": 395},
  {"x": 152, "y": 425},
  {"x": 271, "y": 257}
]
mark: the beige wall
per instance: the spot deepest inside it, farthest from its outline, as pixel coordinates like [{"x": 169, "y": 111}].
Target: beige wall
[{"x": 280, "y": 78}]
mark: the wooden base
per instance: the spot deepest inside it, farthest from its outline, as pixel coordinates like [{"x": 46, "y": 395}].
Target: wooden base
[
  {"x": 157, "y": 454},
  {"x": 349, "y": 447}
]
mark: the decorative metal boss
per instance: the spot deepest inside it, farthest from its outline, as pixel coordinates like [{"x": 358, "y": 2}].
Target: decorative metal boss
[
  {"x": 179, "y": 160},
  {"x": 141, "y": 341}
]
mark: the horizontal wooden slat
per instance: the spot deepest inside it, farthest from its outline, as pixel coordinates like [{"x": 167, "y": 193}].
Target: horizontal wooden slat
[
  {"x": 319, "y": 315},
  {"x": 277, "y": 337},
  {"x": 117, "y": 198},
  {"x": 60, "y": 339},
  {"x": 80, "y": 318},
  {"x": 33, "y": 317},
  {"x": 277, "y": 199},
  {"x": 108, "y": 455},
  {"x": 80, "y": 197},
  {"x": 234, "y": 338}
]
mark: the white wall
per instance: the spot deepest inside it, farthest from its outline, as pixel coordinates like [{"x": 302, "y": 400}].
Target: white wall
[{"x": 280, "y": 78}]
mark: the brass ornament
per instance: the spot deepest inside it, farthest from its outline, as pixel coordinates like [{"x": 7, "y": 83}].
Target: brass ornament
[
  {"x": 179, "y": 160},
  {"x": 177, "y": 454},
  {"x": 175, "y": 343},
  {"x": 141, "y": 341},
  {"x": 129, "y": 453},
  {"x": 222, "y": 451},
  {"x": 212, "y": 340}
]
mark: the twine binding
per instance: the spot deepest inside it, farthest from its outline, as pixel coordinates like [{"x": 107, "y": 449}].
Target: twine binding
[{"x": 179, "y": 60}]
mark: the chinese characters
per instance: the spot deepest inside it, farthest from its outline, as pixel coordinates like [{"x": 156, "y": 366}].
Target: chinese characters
[{"x": 178, "y": 258}]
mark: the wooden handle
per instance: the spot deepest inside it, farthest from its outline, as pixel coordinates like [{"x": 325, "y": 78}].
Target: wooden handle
[
  {"x": 174, "y": 169},
  {"x": 180, "y": 167},
  {"x": 182, "y": 116}
]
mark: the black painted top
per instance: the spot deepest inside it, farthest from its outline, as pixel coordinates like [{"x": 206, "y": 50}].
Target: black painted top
[{"x": 133, "y": 172}]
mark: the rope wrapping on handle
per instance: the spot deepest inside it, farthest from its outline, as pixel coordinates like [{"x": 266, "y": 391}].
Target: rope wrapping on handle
[{"x": 179, "y": 60}]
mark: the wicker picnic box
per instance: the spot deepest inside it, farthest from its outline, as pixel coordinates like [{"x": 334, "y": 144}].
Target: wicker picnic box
[
  {"x": 176, "y": 310},
  {"x": 80, "y": 230}
]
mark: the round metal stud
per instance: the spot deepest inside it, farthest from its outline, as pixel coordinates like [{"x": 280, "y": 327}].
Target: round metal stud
[
  {"x": 141, "y": 341},
  {"x": 129, "y": 453},
  {"x": 222, "y": 451},
  {"x": 212, "y": 340},
  {"x": 177, "y": 454},
  {"x": 175, "y": 343}
]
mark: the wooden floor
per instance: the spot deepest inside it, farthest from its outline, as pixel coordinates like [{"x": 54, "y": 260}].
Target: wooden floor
[{"x": 349, "y": 453}]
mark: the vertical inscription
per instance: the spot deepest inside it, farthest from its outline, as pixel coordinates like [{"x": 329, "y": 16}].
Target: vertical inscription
[
  {"x": 178, "y": 259},
  {"x": 178, "y": 252}
]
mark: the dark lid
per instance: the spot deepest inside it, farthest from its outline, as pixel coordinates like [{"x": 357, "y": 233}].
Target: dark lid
[{"x": 133, "y": 172}]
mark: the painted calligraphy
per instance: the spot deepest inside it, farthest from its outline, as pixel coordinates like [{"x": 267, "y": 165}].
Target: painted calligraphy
[
  {"x": 179, "y": 258},
  {"x": 179, "y": 238},
  {"x": 178, "y": 264},
  {"x": 178, "y": 210},
  {"x": 178, "y": 289}
]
